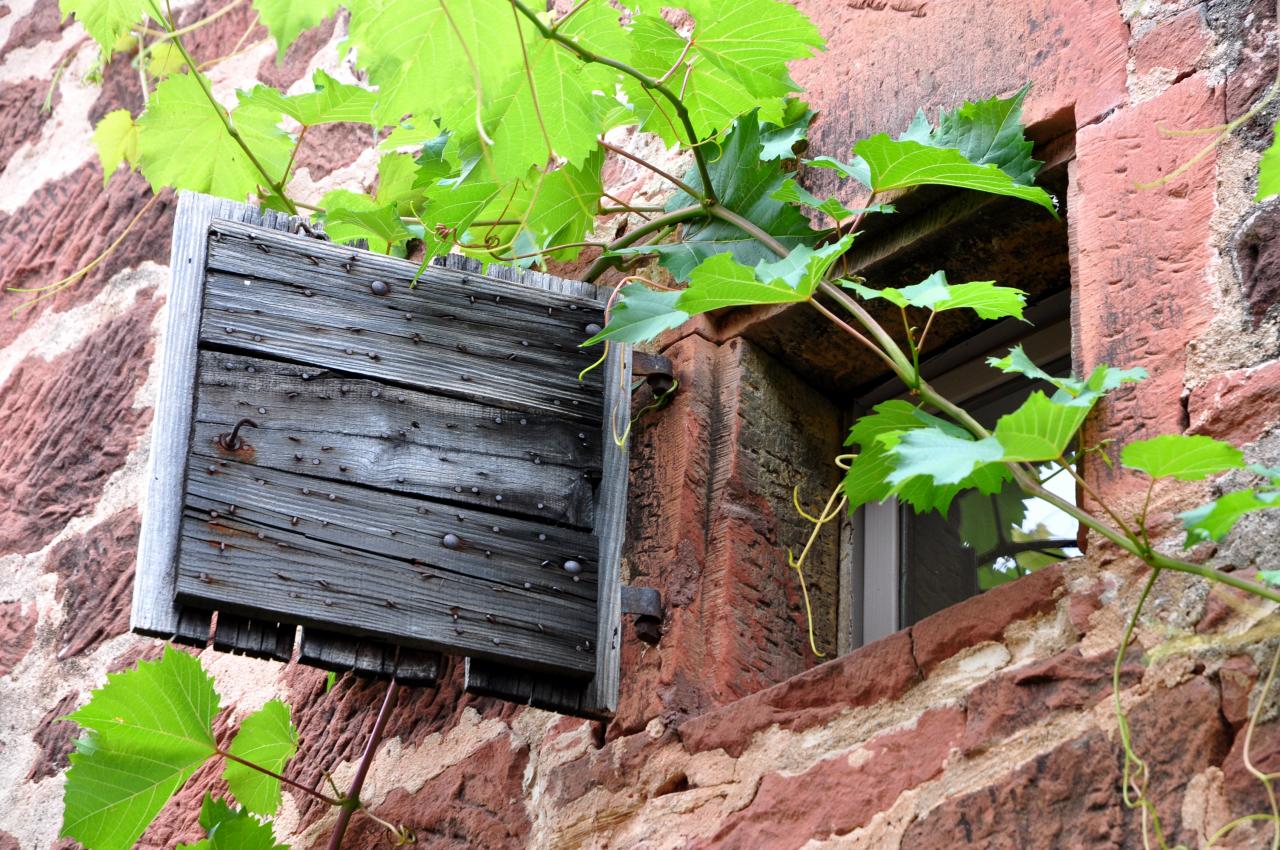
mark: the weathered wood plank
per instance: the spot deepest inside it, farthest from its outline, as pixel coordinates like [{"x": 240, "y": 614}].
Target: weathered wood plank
[
  {"x": 363, "y": 432},
  {"x": 344, "y": 653},
  {"x": 254, "y": 638},
  {"x": 491, "y": 549},
  {"x": 597, "y": 698},
  {"x": 272, "y": 549},
  {"x": 153, "y": 610},
  {"x": 511, "y": 370}
]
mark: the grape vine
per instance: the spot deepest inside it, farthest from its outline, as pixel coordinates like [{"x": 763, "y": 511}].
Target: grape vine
[{"x": 492, "y": 122}]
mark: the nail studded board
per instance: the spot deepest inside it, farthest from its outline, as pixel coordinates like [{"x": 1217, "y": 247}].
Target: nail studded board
[{"x": 401, "y": 468}]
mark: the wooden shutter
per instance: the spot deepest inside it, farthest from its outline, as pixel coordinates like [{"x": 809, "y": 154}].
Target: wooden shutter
[{"x": 417, "y": 469}]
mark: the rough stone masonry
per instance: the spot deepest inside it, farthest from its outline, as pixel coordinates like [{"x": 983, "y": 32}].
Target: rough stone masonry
[{"x": 987, "y": 725}]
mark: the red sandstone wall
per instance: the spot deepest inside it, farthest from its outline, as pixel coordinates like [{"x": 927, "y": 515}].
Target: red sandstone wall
[{"x": 982, "y": 726}]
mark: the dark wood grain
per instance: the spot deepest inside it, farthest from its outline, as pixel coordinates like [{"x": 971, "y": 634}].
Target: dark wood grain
[
  {"x": 344, "y": 653},
  {"x": 154, "y": 611},
  {"x": 455, "y": 333},
  {"x": 360, "y": 431},
  {"x": 332, "y": 567},
  {"x": 255, "y": 638}
]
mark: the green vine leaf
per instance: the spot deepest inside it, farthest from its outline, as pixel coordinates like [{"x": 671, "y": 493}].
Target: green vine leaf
[
  {"x": 1181, "y": 456},
  {"x": 350, "y": 216},
  {"x": 789, "y": 137},
  {"x": 1269, "y": 168},
  {"x": 855, "y": 170},
  {"x": 641, "y": 314},
  {"x": 792, "y": 192},
  {"x": 1040, "y": 429},
  {"x": 332, "y": 102},
  {"x": 107, "y": 20},
  {"x": 984, "y": 297},
  {"x": 986, "y": 132},
  {"x": 737, "y": 62},
  {"x": 940, "y": 455},
  {"x": 146, "y": 732},
  {"x": 1213, "y": 521},
  {"x": 231, "y": 829},
  {"x": 266, "y": 738},
  {"x": 116, "y": 138},
  {"x": 745, "y": 185},
  {"x": 184, "y": 144},
  {"x": 287, "y": 19},
  {"x": 901, "y": 164},
  {"x": 1071, "y": 391}
]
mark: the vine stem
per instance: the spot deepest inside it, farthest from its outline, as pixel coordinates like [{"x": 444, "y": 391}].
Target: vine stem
[
  {"x": 351, "y": 801},
  {"x": 275, "y": 185},
  {"x": 672, "y": 218},
  {"x": 645, "y": 80},
  {"x": 286, "y": 780},
  {"x": 1027, "y": 482}
]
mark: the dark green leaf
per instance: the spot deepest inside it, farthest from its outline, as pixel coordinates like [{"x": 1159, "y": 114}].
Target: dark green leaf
[
  {"x": 792, "y": 192},
  {"x": 990, "y": 132},
  {"x": 641, "y": 314},
  {"x": 787, "y": 139},
  {"x": 745, "y": 184}
]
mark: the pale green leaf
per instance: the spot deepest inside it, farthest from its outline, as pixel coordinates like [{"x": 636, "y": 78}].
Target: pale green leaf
[
  {"x": 146, "y": 732},
  {"x": 804, "y": 268},
  {"x": 107, "y": 20},
  {"x": 943, "y": 457},
  {"x": 287, "y": 19},
  {"x": 331, "y": 102},
  {"x": 1039, "y": 429},
  {"x": 894, "y": 164},
  {"x": 116, "y": 138},
  {"x": 184, "y": 144},
  {"x": 1215, "y": 520},
  {"x": 231, "y": 829},
  {"x": 722, "y": 282},
  {"x": 397, "y": 181},
  {"x": 640, "y": 315},
  {"x": 1071, "y": 391},
  {"x": 985, "y": 298},
  {"x": 1181, "y": 456},
  {"x": 266, "y": 738},
  {"x": 351, "y": 216},
  {"x": 1269, "y": 168},
  {"x": 737, "y": 63},
  {"x": 164, "y": 59}
]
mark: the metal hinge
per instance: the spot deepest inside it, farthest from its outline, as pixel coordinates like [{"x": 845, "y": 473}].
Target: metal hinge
[{"x": 645, "y": 603}]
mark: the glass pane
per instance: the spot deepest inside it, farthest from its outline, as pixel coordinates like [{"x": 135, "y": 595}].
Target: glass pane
[{"x": 984, "y": 541}]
